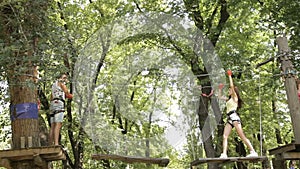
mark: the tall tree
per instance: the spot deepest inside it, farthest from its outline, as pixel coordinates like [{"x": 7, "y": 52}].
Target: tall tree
[
  {"x": 21, "y": 24},
  {"x": 211, "y": 24}
]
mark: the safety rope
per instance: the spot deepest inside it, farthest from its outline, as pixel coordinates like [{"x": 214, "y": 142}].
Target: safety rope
[{"x": 260, "y": 113}]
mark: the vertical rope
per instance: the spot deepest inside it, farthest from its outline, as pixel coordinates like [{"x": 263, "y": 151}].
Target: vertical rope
[
  {"x": 260, "y": 112},
  {"x": 193, "y": 147}
]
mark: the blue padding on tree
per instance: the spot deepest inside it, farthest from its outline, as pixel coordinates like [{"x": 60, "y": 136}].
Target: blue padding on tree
[{"x": 24, "y": 111}]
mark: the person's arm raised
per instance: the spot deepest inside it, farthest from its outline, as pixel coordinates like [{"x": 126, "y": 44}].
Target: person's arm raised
[
  {"x": 65, "y": 89},
  {"x": 234, "y": 95}
]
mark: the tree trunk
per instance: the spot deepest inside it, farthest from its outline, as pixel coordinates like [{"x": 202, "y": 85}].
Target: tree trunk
[
  {"x": 208, "y": 142},
  {"x": 240, "y": 149},
  {"x": 79, "y": 154},
  {"x": 288, "y": 70},
  {"x": 19, "y": 23},
  {"x": 24, "y": 112}
]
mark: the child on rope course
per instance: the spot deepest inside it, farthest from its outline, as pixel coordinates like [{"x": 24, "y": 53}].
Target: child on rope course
[
  {"x": 57, "y": 107},
  {"x": 233, "y": 103}
]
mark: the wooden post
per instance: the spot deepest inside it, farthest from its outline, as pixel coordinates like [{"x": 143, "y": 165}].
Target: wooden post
[
  {"x": 279, "y": 163},
  {"x": 290, "y": 85}
]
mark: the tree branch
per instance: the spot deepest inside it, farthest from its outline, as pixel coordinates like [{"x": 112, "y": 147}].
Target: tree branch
[
  {"x": 193, "y": 7},
  {"x": 264, "y": 62},
  {"x": 223, "y": 19},
  {"x": 209, "y": 21},
  {"x": 260, "y": 2}
]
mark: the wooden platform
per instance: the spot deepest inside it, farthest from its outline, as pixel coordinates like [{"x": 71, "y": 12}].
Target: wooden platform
[
  {"x": 229, "y": 159},
  {"x": 39, "y": 155},
  {"x": 287, "y": 152},
  {"x": 162, "y": 162}
]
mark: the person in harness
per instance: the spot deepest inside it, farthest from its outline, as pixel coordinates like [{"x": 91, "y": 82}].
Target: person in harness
[
  {"x": 59, "y": 93},
  {"x": 233, "y": 103}
]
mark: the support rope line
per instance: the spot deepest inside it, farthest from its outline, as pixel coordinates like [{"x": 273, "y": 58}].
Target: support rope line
[
  {"x": 260, "y": 113},
  {"x": 197, "y": 75}
]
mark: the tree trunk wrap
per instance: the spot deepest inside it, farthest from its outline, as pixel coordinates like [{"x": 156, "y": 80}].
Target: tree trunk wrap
[{"x": 24, "y": 111}]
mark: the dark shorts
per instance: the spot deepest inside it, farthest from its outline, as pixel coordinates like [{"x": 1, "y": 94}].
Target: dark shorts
[{"x": 233, "y": 116}]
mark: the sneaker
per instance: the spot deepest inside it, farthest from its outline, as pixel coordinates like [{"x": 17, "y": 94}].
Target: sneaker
[
  {"x": 223, "y": 155},
  {"x": 252, "y": 154}
]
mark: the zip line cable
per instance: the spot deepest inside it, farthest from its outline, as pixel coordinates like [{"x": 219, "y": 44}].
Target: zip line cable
[{"x": 259, "y": 78}]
